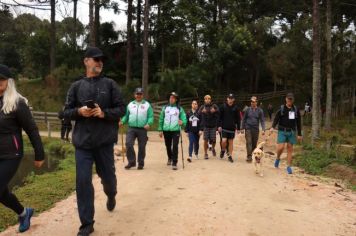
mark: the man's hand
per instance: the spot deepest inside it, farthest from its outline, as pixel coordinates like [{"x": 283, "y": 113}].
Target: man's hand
[
  {"x": 160, "y": 134},
  {"x": 38, "y": 164},
  {"x": 146, "y": 127},
  {"x": 300, "y": 138},
  {"x": 187, "y": 135},
  {"x": 85, "y": 111},
  {"x": 97, "y": 112},
  {"x": 238, "y": 131},
  {"x": 242, "y": 131},
  {"x": 121, "y": 124},
  {"x": 212, "y": 110},
  {"x": 200, "y": 133},
  {"x": 180, "y": 122},
  {"x": 219, "y": 129}
]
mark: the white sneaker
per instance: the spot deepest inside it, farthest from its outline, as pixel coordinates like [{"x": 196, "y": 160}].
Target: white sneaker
[{"x": 196, "y": 156}]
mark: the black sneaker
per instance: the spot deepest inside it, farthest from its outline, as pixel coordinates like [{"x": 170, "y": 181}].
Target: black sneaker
[
  {"x": 222, "y": 153},
  {"x": 169, "y": 162},
  {"x": 230, "y": 159},
  {"x": 86, "y": 230},
  {"x": 128, "y": 166},
  {"x": 140, "y": 167},
  {"x": 249, "y": 159},
  {"x": 111, "y": 203},
  {"x": 174, "y": 167},
  {"x": 214, "y": 152}
]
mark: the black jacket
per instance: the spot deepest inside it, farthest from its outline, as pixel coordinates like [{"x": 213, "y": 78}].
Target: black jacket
[
  {"x": 190, "y": 116},
  {"x": 94, "y": 132},
  {"x": 229, "y": 117},
  {"x": 11, "y": 125},
  {"x": 209, "y": 119},
  {"x": 283, "y": 120}
]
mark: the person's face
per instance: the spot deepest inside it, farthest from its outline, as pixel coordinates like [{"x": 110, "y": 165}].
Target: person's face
[
  {"x": 230, "y": 101},
  {"x": 194, "y": 105},
  {"x": 207, "y": 100},
  {"x": 3, "y": 86},
  {"x": 289, "y": 101},
  {"x": 253, "y": 103},
  {"x": 172, "y": 99},
  {"x": 93, "y": 66},
  {"x": 138, "y": 96}
]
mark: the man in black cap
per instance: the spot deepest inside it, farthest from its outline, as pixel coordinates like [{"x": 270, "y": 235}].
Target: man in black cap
[
  {"x": 96, "y": 104},
  {"x": 288, "y": 120},
  {"x": 228, "y": 124},
  {"x": 139, "y": 117}
]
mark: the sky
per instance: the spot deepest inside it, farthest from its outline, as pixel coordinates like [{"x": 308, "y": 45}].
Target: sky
[{"x": 66, "y": 9}]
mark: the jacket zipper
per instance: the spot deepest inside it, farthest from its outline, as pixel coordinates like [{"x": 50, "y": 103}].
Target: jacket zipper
[{"x": 137, "y": 115}]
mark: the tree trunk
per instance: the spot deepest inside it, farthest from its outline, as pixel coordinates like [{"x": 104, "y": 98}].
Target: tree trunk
[
  {"x": 97, "y": 22},
  {"x": 74, "y": 39},
  {"x": 316, "y": 72},
  {"x": 53, "y": 36},
  {"x": 129, "y": 42},
  {"x": 138, "y": 23},
  {"x": 145, "y": 48},
  {"x": 328, "y": 67},
  {"x": 91, "y": 24}
]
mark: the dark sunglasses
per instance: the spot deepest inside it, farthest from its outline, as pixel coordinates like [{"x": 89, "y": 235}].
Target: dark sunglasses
[
  {"x": 139, "y": 94},
  {"x": 97, "y": 59}
]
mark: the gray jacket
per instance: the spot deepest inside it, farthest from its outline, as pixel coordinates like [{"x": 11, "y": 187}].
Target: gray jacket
[{"x": 252, "y": 119}]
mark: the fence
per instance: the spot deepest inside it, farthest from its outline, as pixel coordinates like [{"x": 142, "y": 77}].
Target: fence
[{"x": 50, "y": 119}]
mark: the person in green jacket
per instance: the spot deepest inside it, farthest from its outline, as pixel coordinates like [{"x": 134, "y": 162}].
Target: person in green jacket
[
  {"x": 171, "y": 119},
  {"x": 139, "y": 117}
]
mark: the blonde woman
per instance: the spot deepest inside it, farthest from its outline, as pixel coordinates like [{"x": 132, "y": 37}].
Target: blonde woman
[{"x": 15, "y": 115}]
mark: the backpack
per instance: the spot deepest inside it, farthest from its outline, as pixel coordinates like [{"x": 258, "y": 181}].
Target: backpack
[{"x": 294, "y": 108}]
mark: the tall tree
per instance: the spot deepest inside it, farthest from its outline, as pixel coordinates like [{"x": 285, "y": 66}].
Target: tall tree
[
  {"x": 328, "y": 66},
  {"x": 138, "y": 23},
  {"x": 145, "y": 48},
  {"x": 74, "y": 39},
  {"x": 97, "y": 6},
  {"x": 91, "y": 23},
  {"x": 53, "y": 36},
  {"x": 129, "y": 42},
  {"x": 316, "y": 72}
]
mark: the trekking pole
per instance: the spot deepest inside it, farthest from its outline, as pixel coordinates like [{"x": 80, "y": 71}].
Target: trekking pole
[
  {"x": 181, "y": 144},
  {"x": 122, "y": 146}
]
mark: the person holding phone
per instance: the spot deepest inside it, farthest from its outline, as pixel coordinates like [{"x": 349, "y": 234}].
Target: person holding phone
[
  {"x": 15, "y": 116},
  {"x": 96, "y": 105}
]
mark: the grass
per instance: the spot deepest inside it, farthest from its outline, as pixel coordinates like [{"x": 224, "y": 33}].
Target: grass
[{"x": 43, "y": 191}]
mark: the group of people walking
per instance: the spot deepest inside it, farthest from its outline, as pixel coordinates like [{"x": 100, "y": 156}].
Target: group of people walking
[{"x": 96, "y": 105}]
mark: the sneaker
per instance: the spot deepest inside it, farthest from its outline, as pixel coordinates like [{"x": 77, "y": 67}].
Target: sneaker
[
  {"x": 249, "y": 159},
  {"x": 25, "y": 221},
  {"x": 196, "y": 156},
  {"x": 174, "y": 167},
  {"x": 214, "y": 152},
  {"x": 169, "y": 162},
  {"x": 222, "y": 153},
  {"x": 289, "y": 170},
  {"x": 140, "y": 167},
  {"x": 128, "y": 166},
  {"x": 206, "y": 157},
  {"x": 230, "y": 159},
  {"x": 276, "y": 163},
  {"x": 111, "y": 203},
  {"x": 85, "y": 230},
  {"x": 189, "y": 159}
]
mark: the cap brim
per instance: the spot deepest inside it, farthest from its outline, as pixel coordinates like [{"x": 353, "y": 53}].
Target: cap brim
[{"x": 3, "y": 77}]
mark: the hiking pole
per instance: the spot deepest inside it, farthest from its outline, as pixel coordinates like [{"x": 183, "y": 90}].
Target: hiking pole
[
  {"x": 181, "y": 144},
  {"x": 122, "y": 146}
]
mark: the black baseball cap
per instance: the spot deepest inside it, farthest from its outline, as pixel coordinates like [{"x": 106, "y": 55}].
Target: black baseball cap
[
  {"x": 231, "y": 95},
  {"x": 138, "y": 90},
  {"x": 93, "y": 52},
  {"x": 290, "y": 95},
  {"x": 4, "y": 72}
]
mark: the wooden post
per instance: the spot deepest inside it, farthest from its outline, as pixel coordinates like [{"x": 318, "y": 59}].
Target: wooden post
[{"x": 49, "y": 129}]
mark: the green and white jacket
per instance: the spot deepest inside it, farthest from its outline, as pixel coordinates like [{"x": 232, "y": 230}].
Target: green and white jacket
[
  {"x": 169, "y": 117},
  {"x": 138, "y": 114}
]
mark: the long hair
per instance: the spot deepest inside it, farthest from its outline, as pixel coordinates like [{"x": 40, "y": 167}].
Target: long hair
[{"x": 11, "y": 97}]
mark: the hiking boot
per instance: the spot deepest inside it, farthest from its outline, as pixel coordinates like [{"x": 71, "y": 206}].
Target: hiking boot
[
  {"x": 230, "y": 159},
  {"x": 25, "y": 221},
  {"x": 128, "y": 166},
  {"x": 276, "y": 163},
  {"x": 289, "y": 170},
  {"x": 111, "y": 203},
  {"x": 222, "y": 153},
  {"x": 249, "y": 159},
  {"x": 169, "y": 162},
  {"x": 206, "y": 157},
  {"x": 140, "y": 167},
  {"x": 189, "y": 159},
  {"x": 85, "y": 230},
  {"x": 214, "y": 152},
  {"x": 174, "y": 167}
]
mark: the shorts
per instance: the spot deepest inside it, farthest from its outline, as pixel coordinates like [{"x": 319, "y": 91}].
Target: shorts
[
  {"x": 228, "y": 134},
  {"x": 286, "y": 137},
  {"x": 210, "y": 134}
]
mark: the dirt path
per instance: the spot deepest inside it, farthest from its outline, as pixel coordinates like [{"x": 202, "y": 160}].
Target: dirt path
[{"x": 208, "y": 197}]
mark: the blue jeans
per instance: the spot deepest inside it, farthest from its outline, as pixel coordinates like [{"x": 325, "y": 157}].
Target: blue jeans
[
  {"x": 193, "y": 143},
  {"x": 103, "y": 157}
]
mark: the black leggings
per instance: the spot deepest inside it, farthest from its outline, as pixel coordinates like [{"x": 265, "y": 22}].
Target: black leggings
[{"x": 8, "y": 168}]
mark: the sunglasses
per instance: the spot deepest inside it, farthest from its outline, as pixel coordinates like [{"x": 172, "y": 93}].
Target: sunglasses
[
  {"x": 139, "y": 94},
  {"x": 97, "y": 59}
]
